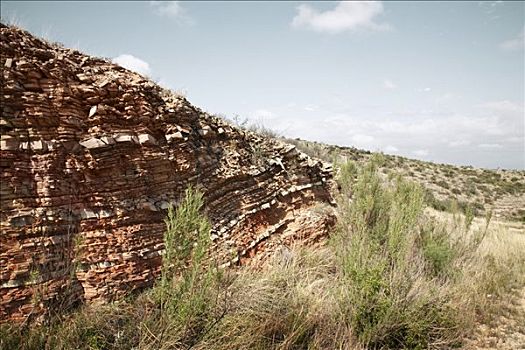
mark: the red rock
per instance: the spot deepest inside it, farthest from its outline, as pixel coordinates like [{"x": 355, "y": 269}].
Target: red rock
[{"x": 85, "y": 187}]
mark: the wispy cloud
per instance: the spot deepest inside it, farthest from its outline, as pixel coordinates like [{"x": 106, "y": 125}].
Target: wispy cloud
[
  {"x": 458, "y": 143},
  {"x": 490, "y": 127},
  {"x": 171, "y": 9},
  {"x": 263, "y": 115},
  {"x": 503, "y": 106},
  {"x": 363, "y": 141},
  {"x": 489, "y": 7},
  {"x": 133, "y": 63},
  {"x": 420, "y": 152},
  {"x": 346, "y": 16},
  {"x": 490, "y": 145},
  {"x": 514, "y": 44},
  {"x": 311, "y": 108},
  {"x": 391, "y": 149},
  {"x": 389, "y": 85}
]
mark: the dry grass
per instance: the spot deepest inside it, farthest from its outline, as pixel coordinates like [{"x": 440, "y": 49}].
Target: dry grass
[{"x": 394, "y": 275}]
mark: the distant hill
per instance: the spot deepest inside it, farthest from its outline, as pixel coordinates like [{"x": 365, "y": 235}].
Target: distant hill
[{"x": 501, "y": 191}]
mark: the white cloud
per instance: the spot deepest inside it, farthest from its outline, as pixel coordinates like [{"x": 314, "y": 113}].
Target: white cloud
[
  {"x": 389, "y": 85},
  {"x": 435, "y": 134},
  {"x": 490, "y": 145},
  {"x": 363, "y": 141},
  {"x": 515, "y": 139},
  {"x": 133, "y": 63},
  {"x": 311, "y": 108},
  {"x": 346, "y": 16},
  {"x": 167, "y": 8},
  {"x": 489, "y": 7},
  {"x": 171, "y": 9},
  {"x": 503, "y": 106},
  {"x": 446, "y": 98},
  {"x": 510, "y": 115},
  {"x": 427, "y": 89},
  {"x": 391, "y": 149},
  {"x": 421, "y": 152},
  {"x": 514, "y": 44},
  {"x": 263, "y": 114},
  {"x": 458, "y": 143}
]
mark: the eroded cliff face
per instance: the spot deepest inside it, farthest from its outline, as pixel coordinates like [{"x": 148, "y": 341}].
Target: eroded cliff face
[{"x": 91, "y": 157}]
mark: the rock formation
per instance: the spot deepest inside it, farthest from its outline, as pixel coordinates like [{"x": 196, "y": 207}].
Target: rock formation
[{"x": 92, "y": 155}]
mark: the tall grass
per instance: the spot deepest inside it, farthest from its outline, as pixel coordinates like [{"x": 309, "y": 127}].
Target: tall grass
[{"x": 391, "y": 276}]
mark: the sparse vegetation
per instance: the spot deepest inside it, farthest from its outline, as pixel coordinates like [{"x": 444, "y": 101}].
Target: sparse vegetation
[
  {"x": 391, "y": 277},
  {"x": 411, "y": 263},
  {"x": 257, "y": 127},
  {"x": 483, "y": 189}
]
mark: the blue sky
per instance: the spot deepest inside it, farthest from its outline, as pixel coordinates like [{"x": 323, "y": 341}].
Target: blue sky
[{"x": 439, "y": 81}]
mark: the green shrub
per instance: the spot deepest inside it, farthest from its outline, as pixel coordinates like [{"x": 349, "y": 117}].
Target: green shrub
[
  {"x": 471, "y": 188},
  {"x": 437, "y": 249},
  {"x": 398, "y": 267},
  {"x": 433, "y": 202},
  {"x": 188, "y": 290},
  {"x": 443, "y": 184},
  {"x": 347, "y": 173}
]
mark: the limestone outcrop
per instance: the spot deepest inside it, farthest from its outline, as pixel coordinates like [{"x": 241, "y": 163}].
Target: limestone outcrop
[{"x": 91, "y": 157}]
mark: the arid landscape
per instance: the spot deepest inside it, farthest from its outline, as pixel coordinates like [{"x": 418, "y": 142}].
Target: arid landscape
[{"x": 133, "y": 219}]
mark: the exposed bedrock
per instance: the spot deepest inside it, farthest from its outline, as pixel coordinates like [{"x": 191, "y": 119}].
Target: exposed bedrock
[{"x": 92, "y": 155}]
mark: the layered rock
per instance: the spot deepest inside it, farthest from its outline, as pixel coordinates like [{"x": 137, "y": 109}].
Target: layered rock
[{"x": 92, "y": 155}]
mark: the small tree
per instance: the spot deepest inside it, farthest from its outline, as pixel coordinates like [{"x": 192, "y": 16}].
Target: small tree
[
  {"x": 189, "y": 288},
  {"x": 186, "y": 240}
]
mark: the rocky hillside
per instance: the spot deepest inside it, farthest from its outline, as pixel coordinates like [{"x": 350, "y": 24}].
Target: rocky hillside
[
  {"x": 500, "y": 191},
  {"x": 92, "y": 155}
]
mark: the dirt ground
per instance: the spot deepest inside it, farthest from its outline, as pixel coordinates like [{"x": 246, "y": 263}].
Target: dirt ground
[{"x": 508, "y": 331}]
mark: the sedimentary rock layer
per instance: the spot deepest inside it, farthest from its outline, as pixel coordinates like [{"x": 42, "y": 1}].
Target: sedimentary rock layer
[{"x": 92, "y": 155}]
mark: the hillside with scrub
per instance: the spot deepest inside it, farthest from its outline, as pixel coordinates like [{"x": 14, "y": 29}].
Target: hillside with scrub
[
  {"x": 500, "y": 191},
  {"x": 131, "y": 219}
]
